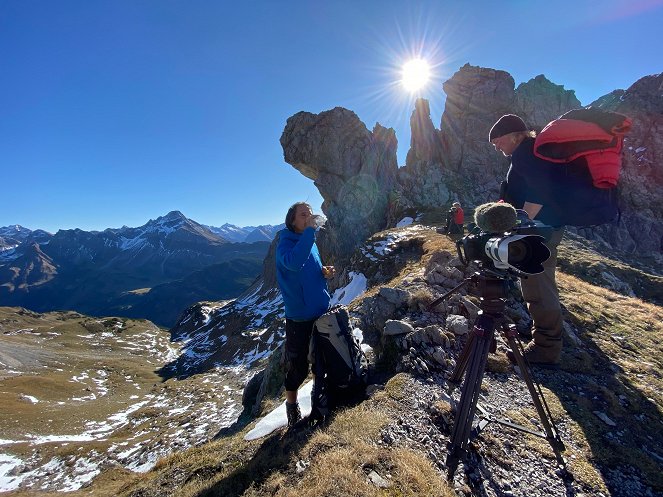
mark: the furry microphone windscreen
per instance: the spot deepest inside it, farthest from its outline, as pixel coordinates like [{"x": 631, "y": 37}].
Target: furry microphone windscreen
[{"x": 495, "y": 217}]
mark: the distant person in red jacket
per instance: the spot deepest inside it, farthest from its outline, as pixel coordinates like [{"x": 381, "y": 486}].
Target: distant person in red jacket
[{"x": 455, "y": 220}]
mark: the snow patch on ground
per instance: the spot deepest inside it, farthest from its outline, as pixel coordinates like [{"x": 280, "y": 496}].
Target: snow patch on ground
[
  {"x": 278, "y": 418},
  {"x": 357, "y": 287},
  {"x": 7, "y": 480},
  {"x": 192, "y": 415},
  {"x": 381, "y": 248},
  {"x": 404, "y": 222}
]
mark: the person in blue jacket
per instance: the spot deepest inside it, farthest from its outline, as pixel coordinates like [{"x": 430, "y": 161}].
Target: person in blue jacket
[{"x": 303, "y": 282}]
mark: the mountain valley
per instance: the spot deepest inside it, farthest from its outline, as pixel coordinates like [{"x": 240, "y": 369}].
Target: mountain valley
[{"x": 154, "y": 272}]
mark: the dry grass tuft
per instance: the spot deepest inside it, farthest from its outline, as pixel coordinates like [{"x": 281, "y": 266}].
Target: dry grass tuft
[
  {"x": 420, "y": 298},
  {"x": 360, "y": 423},
  {"x": 585, "y": 473},
  {"x": 498, "y": 363},
  {"x": 344, "y": 472},
  {"x": 416, "y": 472},
  {"x": 396, "y": 386}
]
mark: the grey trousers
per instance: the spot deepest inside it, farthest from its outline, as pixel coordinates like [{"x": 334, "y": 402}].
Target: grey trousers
[{"x": 542, "y": 297}]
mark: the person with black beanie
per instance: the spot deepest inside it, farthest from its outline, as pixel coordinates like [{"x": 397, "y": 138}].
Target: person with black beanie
[{"x": 532, "y": 185}]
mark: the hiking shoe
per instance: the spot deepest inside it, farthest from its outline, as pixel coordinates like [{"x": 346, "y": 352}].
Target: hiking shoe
[
  {"x": 293, "y": 412},
  {"x": 538, "y": 355}
]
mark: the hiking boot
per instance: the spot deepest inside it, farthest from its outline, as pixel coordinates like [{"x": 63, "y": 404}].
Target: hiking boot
[
  {"x": 293, "y": 412},
  {"x": 538, "y": 355}
]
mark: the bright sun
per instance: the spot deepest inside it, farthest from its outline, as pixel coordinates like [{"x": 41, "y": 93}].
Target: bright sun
[{"x": 416, "y": 73}]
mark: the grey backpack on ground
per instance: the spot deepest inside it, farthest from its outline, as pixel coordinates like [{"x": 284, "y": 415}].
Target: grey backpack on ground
[{"x": 339, "y": 364}]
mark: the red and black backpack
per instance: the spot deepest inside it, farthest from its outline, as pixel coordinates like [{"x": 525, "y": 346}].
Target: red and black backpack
[{"x": 587, "y": 144}]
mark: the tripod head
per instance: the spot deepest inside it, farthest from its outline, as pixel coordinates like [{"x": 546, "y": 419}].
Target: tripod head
[{"x": 489, "y": 284}]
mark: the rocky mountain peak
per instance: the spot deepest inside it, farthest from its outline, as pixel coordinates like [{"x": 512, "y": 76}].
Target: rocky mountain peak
[
  {"x": 171, "y": 221},
  {"x": 541, "y": 101},
  {"x": 12, "y": 230}
]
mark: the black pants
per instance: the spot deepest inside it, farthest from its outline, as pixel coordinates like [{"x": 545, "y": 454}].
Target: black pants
[
  {"x": 297, "y": 340},
  {"x": 455, "y": 229}
]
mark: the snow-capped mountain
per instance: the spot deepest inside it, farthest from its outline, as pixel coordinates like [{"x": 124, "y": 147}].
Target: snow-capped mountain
[
  {"x": 229, "y": 232},
  {"x": 13, "y": 236},
  {"x": 117, "y": 271},
  {"x": 247, "y": 234}
]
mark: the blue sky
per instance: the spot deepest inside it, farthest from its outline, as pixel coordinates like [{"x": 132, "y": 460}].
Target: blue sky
[{"x": 116, "y": 112}]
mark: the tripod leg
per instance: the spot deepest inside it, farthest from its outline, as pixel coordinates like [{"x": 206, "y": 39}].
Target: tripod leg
[
  {"x": 464, "y": 357},
  {"x": 482, "y": 334},
  {"x": 552, "y": 435}
]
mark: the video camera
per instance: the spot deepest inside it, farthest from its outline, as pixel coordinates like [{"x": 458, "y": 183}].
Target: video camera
[{"x": 505, "y": 239}]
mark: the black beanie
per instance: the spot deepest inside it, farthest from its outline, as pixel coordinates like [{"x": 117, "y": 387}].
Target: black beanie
[{"x": 510, "y": 123}]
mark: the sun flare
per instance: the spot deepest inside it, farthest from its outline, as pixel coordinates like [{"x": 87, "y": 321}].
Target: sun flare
[{"x": 416, "y": 74}]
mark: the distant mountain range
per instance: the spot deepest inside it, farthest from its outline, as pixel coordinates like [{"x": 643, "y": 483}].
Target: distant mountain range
[
  {"x": 12, "y": 236},
  {"x": 154, "y": 271},
  {"x": 247, "y": 234}
]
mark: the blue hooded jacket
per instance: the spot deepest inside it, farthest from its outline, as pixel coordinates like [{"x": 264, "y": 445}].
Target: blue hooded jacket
[{"x": 299, "y": 275}]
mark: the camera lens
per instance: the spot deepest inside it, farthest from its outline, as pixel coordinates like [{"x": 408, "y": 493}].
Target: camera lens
[{"x": 518, "y": 252}]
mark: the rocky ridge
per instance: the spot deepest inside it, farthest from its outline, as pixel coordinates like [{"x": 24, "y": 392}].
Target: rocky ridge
[
  {"x": 352, "y": 166},
  {"x": 405, "y": 270}
]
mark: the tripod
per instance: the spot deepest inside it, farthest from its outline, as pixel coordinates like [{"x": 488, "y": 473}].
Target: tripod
[{"x": 492, "y": 286}]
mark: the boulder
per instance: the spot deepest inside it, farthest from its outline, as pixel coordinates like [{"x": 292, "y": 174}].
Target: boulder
[
  {"x": 393, "y": 327},
  {"x": 471, "y": 308},
  {"x": 457, "y": 324},
  {"x": 395, "y": 296},
  {"x": 374, "y": 313},
  {"x": 440, "y": 356}
]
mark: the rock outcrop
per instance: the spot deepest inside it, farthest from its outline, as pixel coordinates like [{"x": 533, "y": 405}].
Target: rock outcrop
[
  {"x": 466, "y": 166},
  {"x": 353, "y": 168},
  {"x": 425, "y": 140},
  {"x": 641, "y": 202},
  {"x": 540, "y": 101}
]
